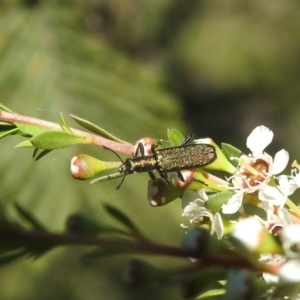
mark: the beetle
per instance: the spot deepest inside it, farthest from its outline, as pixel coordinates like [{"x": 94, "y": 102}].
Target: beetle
[{"x": 172, "y": 159}]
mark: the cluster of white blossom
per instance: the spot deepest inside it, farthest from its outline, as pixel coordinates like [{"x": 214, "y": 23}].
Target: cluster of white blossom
[{"x": 257, "y": 176}]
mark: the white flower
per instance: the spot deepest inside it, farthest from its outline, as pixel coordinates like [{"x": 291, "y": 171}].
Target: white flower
[
  {"x": 248, "y": 231},
  {"x": 275, "y": 260},
  {"x": 275, "y": 222},
  {"x": 290, "y": 237},
  {"x": 194, "y": 209},
  {"x": 288, "y": 184},
  {"x": 290, "y": 271},
  {"x": 255, "y": 171}
]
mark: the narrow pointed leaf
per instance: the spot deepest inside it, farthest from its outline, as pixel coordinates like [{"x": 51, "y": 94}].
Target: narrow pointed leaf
[
  {"x": 25, "y": 144},
  {"x": 107, "y": 177},
  {"x": 9, "y": 258},
  {"x": 6, "y": 125},
  {"x": 216, "y": 201},
  {"x": 175, "y": 137},
  {"x": 96, "y": 129},
  {"x": 30, "y": 129},
  {"x": 121, "y": 217},
  {"x": 212, "y": 294},
  {"x": 42, "y": 154},
  {"x": 5, "y": 108},
  {"x": 29, "y": 217},
  {"x": 9, "y": 132},
  {"x": 230, "y": 151},
  {"x": 35, "y": 151},
  {"x": 65, "y": 123},
  {"x": 104, "y": 252},
  {"x": 57, "y": 140}
]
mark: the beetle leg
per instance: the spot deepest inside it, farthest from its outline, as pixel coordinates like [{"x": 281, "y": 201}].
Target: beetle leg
[
  {"x": 180, "y": 176},
  {"x": 151, "y": 174},
  {"x": 187, "y": 140},
  {"x": 140, "y": 150}
]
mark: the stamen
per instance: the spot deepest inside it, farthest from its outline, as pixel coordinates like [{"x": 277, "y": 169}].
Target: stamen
[
  {"x": 249, "y": 168},
  {"x": 295, "y": 165}
]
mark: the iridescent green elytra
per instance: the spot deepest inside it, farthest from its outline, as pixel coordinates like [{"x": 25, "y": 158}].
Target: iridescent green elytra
[{"x": 173, "y": 159}]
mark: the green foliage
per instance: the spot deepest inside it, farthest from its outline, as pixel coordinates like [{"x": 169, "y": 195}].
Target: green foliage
[
  {"x": 29, "y": 217},
  {"x": 175, "y": 137},
  {"x": 216, "y": 201},
  {"x": 96, "y": 129},
  {"x": 230, "y": 151},
  {"x": 50, "y": 61},
  {"x": 122, "y": 218},
  {"x": 56, "y": 140},
  {"x": 107, "y": 62}
]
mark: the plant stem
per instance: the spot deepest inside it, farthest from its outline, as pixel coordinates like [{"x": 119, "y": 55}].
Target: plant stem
[{"x": 96, "y": 140}]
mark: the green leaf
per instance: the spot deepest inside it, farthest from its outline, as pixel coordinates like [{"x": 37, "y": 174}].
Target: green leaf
[
  {"x": 25, "y": 144},
  {"x": 6, "y": 125},
  {"x": 6, "y": 222},
  {"x": 9, "y": 132},
  {"x": 212, "y": 294},
  {"x": 230, "y": 151},
  {"x": 285, "y": 288},
  {"x": 253, "y": 210},
  {"x": 216, "y": 201},
  {"x": 83, "y": 224},
  {"x": 197, "y": 284},
  {"x": 105, "y": 251},
  {"x": 5, "y": 108},
  {"x": 30, "y": 129},
  {"x": 107, "y": 177},
  {"x": 42, "y": 154},
  {"x": 57, "y": 140},
  {"x": 122, "y": 218},
  {"x": 175, "y": 137},
  {"x": 65, "y": 123},
  {"x": 11, "y": 257},
  {"x": 96, "y": 129},
  {"x": 29, "y": 217},
  {"x": 85, "y": 76},
  {"x": 37, "y": 250}
]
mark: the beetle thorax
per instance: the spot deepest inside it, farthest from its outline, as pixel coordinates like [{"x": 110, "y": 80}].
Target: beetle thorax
[{"x": 126, "y": 167}]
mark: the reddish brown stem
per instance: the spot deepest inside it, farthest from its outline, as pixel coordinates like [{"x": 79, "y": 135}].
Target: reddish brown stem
[
  {"x": 135, "y": 246},
  {"x": 97, "y": 140}
]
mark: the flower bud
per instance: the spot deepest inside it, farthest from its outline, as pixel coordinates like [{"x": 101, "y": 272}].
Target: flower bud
[
  {"x": 195, "y": 242},
  {"x": 84, "y": 167},
  {"x": 249, "y": 235},
  {"x": 140, "y": 273},
  {"x": 241, "y": 285},
  {"x": 80, "y": 224},
  {"x": 147, "y": 143},
  {"x": 160, "y": 193}
]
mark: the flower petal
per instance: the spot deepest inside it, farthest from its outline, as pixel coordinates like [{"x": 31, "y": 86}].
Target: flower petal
[
  {"x": 248, "y": 231},
  {"x": 269, "y": 209},
  {"x": 218, "y": 225},
  {"x": 290, "y": 271},
  {"x": 287, "y": 184},
  {"x": 291, "y": 234},
  {"x": 233, "y": 204},
  {"x": 272, "y": 194},
  {"x": 284, "y": 217},
  {"x": 259, "y": 139},
  {"x": 281, "y": 160}
]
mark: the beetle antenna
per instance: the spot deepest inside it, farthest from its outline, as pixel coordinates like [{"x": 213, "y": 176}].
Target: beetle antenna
[
  {"x": 119, "y": 185},
  {"x": 115, "y": 154}
]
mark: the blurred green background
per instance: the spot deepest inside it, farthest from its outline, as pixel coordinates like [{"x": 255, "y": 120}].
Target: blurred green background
[{"x": 135, "y": 68}]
